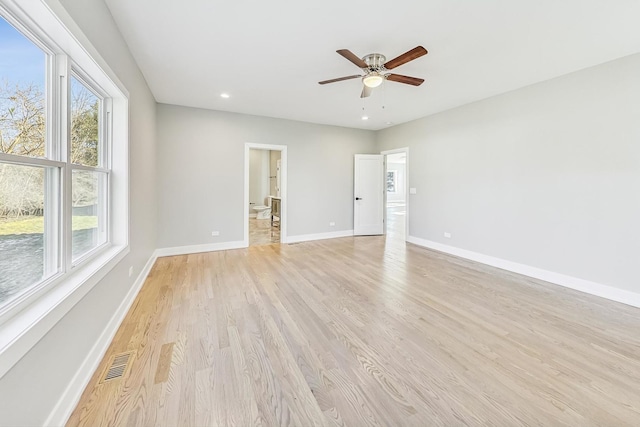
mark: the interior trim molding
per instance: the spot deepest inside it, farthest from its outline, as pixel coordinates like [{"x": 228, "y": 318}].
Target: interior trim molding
[
  {"x": 194, "y": 249},
  {"x": 586, "y": 286},
  {"x": 248, "y": 146},
  {"x": 71, "y": 395},
  {"x": 319, "y": 236}
]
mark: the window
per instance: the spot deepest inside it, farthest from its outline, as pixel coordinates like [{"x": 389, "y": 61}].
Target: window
[
  {"x": 64, "y": 171},
  {"x": 89, "y": 183},
  {"x": 85, "y": 124},
  {"x": 22, "y": 94},
  {"x": 22, "y": 199},
  {"x": 391, "y": 181},
  {"x": 25, "y": 186},
  {"x": 54, "y": 163},
  {"x": 87, "y": 222}
]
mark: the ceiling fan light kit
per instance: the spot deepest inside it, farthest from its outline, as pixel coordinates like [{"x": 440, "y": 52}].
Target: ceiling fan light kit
[
  {"x": 375, "y": 67},
  {"x": 373, "y": 80}
]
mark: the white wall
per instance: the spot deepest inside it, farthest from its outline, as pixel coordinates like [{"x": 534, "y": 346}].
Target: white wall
[
  {"x": 258, "y": 178},
  {"x": 31, "y": 389},
  {"x": 547, "y": 176},
  {"x": 211, "y": 143}
]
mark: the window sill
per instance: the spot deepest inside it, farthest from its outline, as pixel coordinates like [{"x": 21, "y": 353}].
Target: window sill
[{"x": 22, "y": 331}]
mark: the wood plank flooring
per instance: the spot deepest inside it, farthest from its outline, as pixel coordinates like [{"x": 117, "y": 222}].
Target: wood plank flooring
[
  {"x": 261, "y": 232},
  {"x": 364, "y": 331}
]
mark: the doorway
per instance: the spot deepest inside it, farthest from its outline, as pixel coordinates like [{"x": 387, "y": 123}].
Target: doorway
[
  {"x": 396, "y": 193},
  {"x": 265, "y": 190}
]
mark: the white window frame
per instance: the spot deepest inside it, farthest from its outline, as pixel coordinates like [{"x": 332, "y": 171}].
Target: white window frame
[
  {"x": 103, "y": 166},
  {"x": 25, "y": 319}
]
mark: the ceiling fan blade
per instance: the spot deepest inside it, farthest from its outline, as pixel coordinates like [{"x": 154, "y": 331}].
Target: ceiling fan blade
[
  {"x": 353, "y": 58},
  {"x": 366, "y": 91},
  {"x": 339, "y": 79},
  {"x": 405, "y": 79},
  {"x": 414, "y": 53}
]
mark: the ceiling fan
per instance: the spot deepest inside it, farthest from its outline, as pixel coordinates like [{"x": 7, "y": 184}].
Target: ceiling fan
[{"x": 375, "y": 69}]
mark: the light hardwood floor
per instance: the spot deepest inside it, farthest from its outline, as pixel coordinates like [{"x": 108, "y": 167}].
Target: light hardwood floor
[
  {"x": 364, "y": 331},
  {"x": 396, "y": 221},
  {"x": 261, "y": 232}
]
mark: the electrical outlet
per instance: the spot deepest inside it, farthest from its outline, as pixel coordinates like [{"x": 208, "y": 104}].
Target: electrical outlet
[
  {"x": 215, "y": 233},
  {"x": 131, "y": 271},
  {"x": 332, "y": 224},
  {"x": 447, "y": 235}
]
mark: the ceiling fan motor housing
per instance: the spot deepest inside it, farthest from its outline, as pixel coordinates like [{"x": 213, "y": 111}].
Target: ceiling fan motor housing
[{"x": 375, "y": 62}]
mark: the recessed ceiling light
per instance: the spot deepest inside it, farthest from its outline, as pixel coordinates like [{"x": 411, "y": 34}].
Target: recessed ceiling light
[
  {"x": 365, "y": 118},
  {"x": 389, "y": 123},
  {"x": 224, "y": 95}
]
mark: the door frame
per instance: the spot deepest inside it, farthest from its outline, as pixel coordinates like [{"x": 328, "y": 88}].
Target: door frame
[
  {"x": 406, "y": 188},
  {"x": 283, "y": 188}
]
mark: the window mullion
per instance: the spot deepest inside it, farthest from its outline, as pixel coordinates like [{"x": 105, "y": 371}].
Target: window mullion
[
  {"x": 106, "y": 132},
  {"x": 65, "y": 152},
  {"x": 52, "y": 263},
  {"x": 107, "y": 163},
  {"x": 52, "y": 177},
  {"x": 63, "y": 102},
  {"x": 51, "y": 110}
]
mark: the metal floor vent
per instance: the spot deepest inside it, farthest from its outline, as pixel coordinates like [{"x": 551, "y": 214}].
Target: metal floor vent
[{"x": 118, "y": 366}]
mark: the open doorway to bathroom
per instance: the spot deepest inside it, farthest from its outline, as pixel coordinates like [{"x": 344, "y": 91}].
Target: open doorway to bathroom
[
  {"x": 265, "y": 188},
  {"x": 396, "y": 199}
]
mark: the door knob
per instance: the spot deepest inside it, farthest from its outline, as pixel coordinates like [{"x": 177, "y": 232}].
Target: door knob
[{"x": 358, "y": 198}]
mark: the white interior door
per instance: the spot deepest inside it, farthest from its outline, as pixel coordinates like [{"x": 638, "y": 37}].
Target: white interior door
[{"x": 368, "y": 185}]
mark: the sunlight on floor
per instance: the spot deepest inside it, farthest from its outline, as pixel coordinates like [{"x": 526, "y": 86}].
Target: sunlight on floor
[{"x": 262, "y": 233}]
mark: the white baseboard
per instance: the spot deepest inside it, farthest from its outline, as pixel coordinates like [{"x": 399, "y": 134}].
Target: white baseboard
[
  {"x": 194, "y": 249},
  {"x": 319, "y": 236},
  {"x": 593, "y": 288},
  {"x": 253, "y": 215},
  {"x": 71, "y": 396}
]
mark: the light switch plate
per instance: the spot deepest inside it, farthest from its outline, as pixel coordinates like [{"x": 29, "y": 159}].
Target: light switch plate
[{"x": 413, "y": 190}]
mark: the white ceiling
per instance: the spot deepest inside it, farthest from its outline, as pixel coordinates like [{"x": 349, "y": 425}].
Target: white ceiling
[{"x": 269, "y": 55}]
